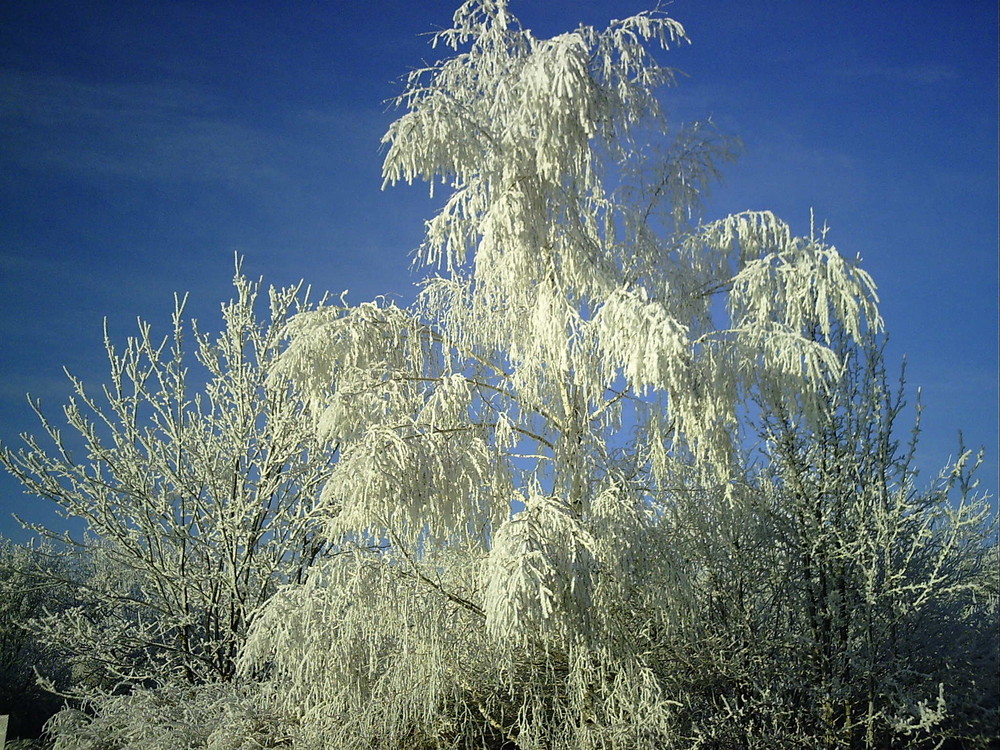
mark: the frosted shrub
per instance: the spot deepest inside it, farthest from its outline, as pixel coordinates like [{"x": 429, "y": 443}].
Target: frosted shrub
[
  {"x": 218, "y": 716},
  {"x": 862, "y": 603},
  {"x": 196, "y": 486}
]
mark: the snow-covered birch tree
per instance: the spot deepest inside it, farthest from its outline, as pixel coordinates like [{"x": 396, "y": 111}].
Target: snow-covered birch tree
[
  {"x": 196, "y": 486},
  {"x": 518, "y": 447}
]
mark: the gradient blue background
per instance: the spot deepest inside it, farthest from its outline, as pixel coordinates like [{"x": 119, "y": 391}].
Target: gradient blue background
[{"x": 143, "y": 143}]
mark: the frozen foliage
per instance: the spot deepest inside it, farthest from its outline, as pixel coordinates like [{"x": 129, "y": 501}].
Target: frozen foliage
[
  {"x": 217, "y": 716},
  {"x": 541, "y": 504},
  {"x": 893, "y": 587},
  {"x": 564, "y": 312},
  {"x": 197, "y": 488},
  {"x": 33, "y": 582},
  {"x": 540, "y": 574},
  {"x": 544, "y": 526},
  {"x": 841, "y": 604}
]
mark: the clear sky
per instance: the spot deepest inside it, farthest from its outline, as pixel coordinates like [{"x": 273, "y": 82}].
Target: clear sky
[{"x": 143, "y": 143}]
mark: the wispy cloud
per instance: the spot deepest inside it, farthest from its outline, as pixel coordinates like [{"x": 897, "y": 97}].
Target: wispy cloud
[
  {"x": 132, "y": 131},
  {"x": 150, "y": 132}
]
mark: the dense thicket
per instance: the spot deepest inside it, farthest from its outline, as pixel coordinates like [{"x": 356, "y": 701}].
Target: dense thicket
[
  {"x": 622, "y": 477},
  {"x": 34, "y": 582}
]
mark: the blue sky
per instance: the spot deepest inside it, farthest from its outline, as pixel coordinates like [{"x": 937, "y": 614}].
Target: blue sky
[{"x": 143, "y": 143}]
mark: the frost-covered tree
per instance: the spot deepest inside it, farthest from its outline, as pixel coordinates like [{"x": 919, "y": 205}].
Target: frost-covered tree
[
  {"x": 844, "y": 603},
  {"x": 521, "y": 450},
  {"x": 196, "y": 485},
  {"x": 894, "y": 584}
]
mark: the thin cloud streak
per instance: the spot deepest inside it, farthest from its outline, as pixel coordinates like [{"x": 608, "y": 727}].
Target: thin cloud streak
[{"x": 152, "y": 133}]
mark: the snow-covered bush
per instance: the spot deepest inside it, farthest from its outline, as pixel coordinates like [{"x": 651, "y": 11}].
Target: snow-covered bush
[
  {"x": 215, "y": 716},
  {"x": 196, "y": 484}
]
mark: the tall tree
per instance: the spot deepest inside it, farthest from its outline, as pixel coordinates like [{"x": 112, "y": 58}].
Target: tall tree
[
  {"x": 516, "y": 446},
  {"x": 196, "y": 488}
]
